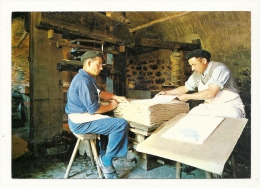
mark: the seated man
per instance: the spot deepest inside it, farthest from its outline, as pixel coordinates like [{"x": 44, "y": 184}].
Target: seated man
[
  {"x": 85, "y": 112},
  {"x": 215, "y": 84}
]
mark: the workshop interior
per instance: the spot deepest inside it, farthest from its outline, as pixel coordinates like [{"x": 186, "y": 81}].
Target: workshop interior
[{"x": 143, "y": 54}]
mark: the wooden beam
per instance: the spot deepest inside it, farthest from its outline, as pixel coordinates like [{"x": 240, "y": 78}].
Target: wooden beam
[
  {"x": 168, "y": 44},
  {"x": 69, "y": 65},
  {"x": 87, "y": 40},
  {"x": 131, "y": 30},
  {"x": 84, "y": 48},
  {"x": 85, "y": 24}
]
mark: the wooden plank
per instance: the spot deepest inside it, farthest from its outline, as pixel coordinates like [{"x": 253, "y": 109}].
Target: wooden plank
[
  {"x": 143, "y": 127},
  {"x": 138, "y": 131}
]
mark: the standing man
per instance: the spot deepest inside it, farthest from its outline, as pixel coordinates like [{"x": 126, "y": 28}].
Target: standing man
[
  {"x": 85, "y": 112},
  {"x": 216, "y": 86}
]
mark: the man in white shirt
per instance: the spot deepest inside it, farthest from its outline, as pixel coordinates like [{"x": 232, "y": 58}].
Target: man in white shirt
[{"x": 216, "y": 86}]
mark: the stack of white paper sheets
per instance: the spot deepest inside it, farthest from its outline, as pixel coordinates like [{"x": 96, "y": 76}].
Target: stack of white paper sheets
[{"x": 151, "y": 112}]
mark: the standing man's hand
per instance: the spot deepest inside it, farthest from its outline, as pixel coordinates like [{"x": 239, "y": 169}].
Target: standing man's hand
[
  {"x": 183, "y": 97},
  {"x": 161, "y": 93}
]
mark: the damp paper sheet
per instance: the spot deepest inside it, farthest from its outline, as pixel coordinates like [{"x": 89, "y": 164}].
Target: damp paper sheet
[
  {"x": 193, "y": 128},
  {"x": 164, "y": 98}
]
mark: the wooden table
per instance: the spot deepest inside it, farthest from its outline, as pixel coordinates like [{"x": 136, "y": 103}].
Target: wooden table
[{"x": 210, "y": 156}]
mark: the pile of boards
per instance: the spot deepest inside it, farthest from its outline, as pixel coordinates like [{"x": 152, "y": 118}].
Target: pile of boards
[{"x": 150, "y": 112}]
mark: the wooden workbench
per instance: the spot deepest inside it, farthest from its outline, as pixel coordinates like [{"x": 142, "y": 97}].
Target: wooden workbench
[{"x": 210, "y": 156}]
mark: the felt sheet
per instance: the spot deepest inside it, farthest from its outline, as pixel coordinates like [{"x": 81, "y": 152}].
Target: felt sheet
[
  {"x": 210, "y": 156},
  {"x": 193, "y": 128}
]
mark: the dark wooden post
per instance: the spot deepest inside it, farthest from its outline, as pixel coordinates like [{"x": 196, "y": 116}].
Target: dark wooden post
[
  {"x": 46, "y": 90},
  {"x": 120, "y": 64}
]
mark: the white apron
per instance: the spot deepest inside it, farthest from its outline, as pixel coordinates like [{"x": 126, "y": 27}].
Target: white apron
[
  {"x": 225, "y": 104},
  {"x": 86, "y": 117}
]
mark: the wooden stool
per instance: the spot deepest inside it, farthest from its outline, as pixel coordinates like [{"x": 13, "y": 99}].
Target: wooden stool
[{"x": 92, "y": 149}]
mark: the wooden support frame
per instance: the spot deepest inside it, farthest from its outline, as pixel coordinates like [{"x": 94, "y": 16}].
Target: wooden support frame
[{"x": 46, "y": 89}]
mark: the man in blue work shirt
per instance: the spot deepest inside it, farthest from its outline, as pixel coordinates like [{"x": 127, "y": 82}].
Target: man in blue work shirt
[{"x": 85, "y": 112}]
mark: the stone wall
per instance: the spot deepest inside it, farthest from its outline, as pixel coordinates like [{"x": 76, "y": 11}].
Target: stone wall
[
  {"x": 20, "y": 63},
  {"x": 153, "y": 70},
  {"x": 20, "y": 74}
]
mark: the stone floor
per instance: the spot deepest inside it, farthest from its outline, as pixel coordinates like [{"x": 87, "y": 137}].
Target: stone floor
[
  {"x": 26, "y": 166},
  {"x": 29, "y": 171}
]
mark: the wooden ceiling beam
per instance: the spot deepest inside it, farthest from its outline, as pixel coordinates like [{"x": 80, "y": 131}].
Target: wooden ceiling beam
[
  {"x": 86, "y": 24},
  {"x": 131, "y": 30}
]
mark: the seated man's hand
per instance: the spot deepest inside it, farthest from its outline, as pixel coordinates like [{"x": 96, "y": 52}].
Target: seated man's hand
[
  {"x": 121, "y": 99},
  {"x": 114, "y": 103}
]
